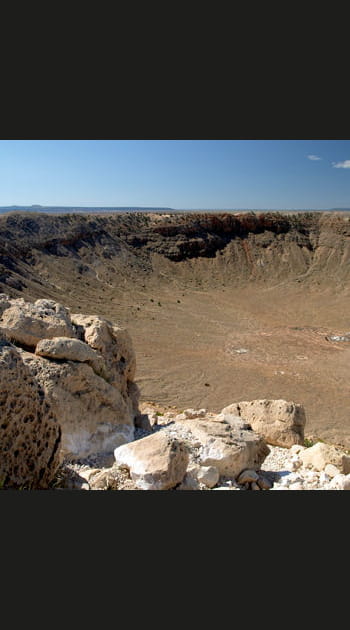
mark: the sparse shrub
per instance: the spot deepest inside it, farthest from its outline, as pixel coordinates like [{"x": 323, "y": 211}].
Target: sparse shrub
[{"x": 308, "y": 442}]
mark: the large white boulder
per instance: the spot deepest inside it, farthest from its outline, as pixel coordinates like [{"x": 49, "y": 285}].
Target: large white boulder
[
  {"x": 280, "y": 422},
  {"x": 156, "y": 462}
]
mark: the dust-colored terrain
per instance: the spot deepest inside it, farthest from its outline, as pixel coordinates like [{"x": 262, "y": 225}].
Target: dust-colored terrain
[{"x": 220, "y": 307}]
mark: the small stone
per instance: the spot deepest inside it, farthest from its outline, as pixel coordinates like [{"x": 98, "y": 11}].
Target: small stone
[
  {"x": 190, "y": 481},
  {"x": 324, "y": 478},
  {"x": 191, "y": 414},
  {"x": 331, "y": 470},
  {"x": 248, "y": 476},
  {"x": 340, "y": 482},
  {"x": 264, "y": 483},
  {"x": 179, "y": 417},
  {"x": 104, "y": 480},
  {"x": 208, "y": 475}
]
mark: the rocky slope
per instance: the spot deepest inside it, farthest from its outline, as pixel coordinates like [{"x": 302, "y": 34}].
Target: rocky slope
[{"x": 245, "y": 247}]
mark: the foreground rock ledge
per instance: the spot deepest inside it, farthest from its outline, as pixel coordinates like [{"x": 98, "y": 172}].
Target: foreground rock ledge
[
  {"x": 84, "y": 365},
  {"x": 30, "y": 435}
]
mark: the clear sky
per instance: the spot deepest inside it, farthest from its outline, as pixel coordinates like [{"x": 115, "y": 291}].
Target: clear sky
[{"x": 180, "y": 174}]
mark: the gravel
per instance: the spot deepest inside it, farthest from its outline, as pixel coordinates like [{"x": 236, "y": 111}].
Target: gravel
[{"x": 282, "y": 467}]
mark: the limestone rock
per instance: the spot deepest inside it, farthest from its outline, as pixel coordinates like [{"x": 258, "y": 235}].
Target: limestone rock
[
  {"x": 227, "y": 445},
  {"x": 26, "y": 323},
  {"x": 340, "y": 482},
  {"x": 104, "y": 480},
  {"x": 200, "y": 478},
  {"x": 94, "y": 416},
  {"x": 320, "y": 454},
  {"x": 194, "y": 413},
  {"x": 295, "y": 462},
  {"x": 281, "y": 423},
  {"x": 30, "y": 436},
  {"x": 190, "y": 480},
  {"x": 70, "y": 350},
  {"x": 113, "y": 343},
  {"x": 208, "y": 475},
  {"x": 331, "y": 470},
  {"x": 156, "y": 462},
  {"x": 324, "y": 478}
]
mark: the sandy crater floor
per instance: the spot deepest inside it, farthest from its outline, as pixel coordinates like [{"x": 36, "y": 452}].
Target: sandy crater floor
[{"x": 208, "y": 348}]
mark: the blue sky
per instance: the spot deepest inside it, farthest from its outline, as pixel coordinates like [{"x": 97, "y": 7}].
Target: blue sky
[{"x": 180, "y": 174}]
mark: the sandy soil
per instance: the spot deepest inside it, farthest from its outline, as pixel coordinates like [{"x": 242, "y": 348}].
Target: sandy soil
[{"x": 199, "y": 348}]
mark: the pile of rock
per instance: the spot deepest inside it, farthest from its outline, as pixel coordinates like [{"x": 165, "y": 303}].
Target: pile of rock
[
  {"x": 318, "y": 467},
  {"x": 82, "y": 370},
  {"x": 198, "y": 450},
  {"x": 191, "y": 450}
]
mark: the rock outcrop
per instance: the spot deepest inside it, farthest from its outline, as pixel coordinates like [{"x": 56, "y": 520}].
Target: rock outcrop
[
  {"x": 95, "y": 417},
  {"x": 281, "y": 423},
  {"x": 26, "y": 323},
  {"x": 85, "y": 367},
  {"x": 70, "y": 350},
  {"x": 113, "y": 343},
  {"x": 30, "y": 435}
]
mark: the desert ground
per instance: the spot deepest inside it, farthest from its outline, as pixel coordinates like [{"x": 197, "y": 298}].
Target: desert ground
[{"x": 210, "y": 348}]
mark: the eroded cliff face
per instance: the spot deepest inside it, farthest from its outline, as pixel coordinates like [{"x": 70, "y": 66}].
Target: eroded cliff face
[{"x": 38, "y": 250}]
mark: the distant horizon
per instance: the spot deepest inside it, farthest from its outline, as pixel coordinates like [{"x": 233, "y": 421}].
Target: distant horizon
[
  {"x": 205, "y": 175},
  {"x": 154, "y": 207}
]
